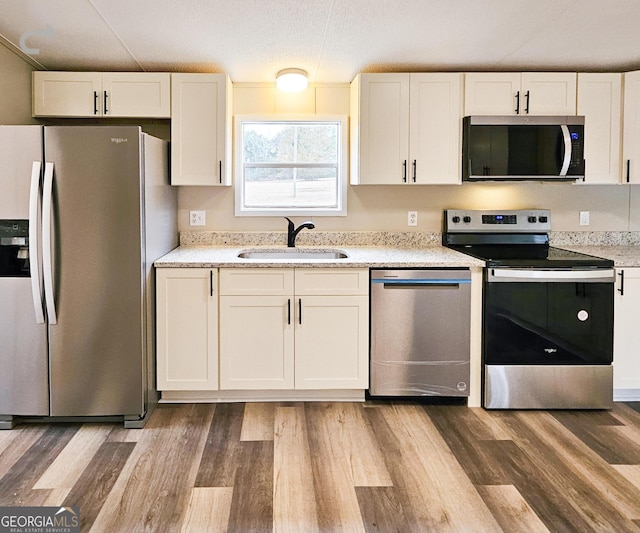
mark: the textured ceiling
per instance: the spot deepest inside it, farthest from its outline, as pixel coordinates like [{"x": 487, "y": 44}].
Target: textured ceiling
[{"x": 332, "y": 39}]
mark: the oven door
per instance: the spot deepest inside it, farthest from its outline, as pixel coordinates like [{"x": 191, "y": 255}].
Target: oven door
[{"x": 548, "y": 317}]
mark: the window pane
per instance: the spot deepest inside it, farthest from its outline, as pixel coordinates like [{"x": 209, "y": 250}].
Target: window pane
[
  {"x": 273, "y": 142},
  {"x": 290, "y": 187}
]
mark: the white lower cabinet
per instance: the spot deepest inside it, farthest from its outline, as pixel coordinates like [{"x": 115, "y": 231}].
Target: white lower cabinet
[
  {"x": 187, "y": 329},
  {"x": 626, "y": 337},
  {"x": 291, "y": 328}
]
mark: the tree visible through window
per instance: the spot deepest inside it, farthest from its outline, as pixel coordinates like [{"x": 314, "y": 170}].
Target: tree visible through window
[{"x": 290, "y": 166}]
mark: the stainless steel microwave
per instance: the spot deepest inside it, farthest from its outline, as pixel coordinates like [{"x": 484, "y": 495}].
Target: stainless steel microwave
[{"x": 523, "y": 148}]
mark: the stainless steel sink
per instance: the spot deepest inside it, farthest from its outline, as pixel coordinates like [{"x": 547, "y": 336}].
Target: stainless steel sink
[{"x": 293, "y": 254}]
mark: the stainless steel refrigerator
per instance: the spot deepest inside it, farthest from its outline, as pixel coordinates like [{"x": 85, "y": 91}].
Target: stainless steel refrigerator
[{"x": 84, "y": 212}]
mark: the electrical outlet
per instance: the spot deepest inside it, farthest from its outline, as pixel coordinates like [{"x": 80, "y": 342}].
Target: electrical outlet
[
  {"x": 196, "y": 218},
  {"x": 412, "y": 218},
  {"x": 584, "y": 218}
]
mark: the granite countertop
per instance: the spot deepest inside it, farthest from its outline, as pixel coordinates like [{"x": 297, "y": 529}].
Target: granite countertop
[
  {"x": 211, "y": 249},
  {"x": 357, "y": 257},
  {"x": 621, "y": 255}
]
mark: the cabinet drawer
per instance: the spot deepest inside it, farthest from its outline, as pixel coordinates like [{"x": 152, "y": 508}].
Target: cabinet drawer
[
  {"x": 256, "y": 281},
  {"x": 333, "y": 281}
]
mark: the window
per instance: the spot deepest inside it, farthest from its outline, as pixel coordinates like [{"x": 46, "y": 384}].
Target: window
[{"x": 291, "y": 165}]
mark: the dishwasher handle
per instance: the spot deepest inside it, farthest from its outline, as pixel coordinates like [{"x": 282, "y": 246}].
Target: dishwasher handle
[{"x": 417, "y": 283}]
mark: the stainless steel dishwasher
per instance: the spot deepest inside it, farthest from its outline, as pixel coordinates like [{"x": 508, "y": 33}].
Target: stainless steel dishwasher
[{"x": 420, "y": 332}]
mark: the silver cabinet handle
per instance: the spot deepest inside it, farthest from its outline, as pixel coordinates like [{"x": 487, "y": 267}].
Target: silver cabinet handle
[
  {"x": 47, "y": 238},
  {"x": 34, "y": 242}
]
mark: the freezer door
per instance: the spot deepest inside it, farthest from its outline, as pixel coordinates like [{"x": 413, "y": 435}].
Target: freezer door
[
  {"x": 96, "y": 344},
  {"x": 24, "y": 383}
]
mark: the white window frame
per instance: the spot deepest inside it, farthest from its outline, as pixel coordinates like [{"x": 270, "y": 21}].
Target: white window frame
[{"x": 342, "y": 168}]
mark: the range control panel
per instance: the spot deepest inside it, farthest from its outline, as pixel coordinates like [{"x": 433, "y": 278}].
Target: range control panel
[{"x": 481, "y": 221}]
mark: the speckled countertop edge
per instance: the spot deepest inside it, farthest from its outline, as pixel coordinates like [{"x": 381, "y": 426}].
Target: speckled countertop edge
[{"x": 209, "y": 249}]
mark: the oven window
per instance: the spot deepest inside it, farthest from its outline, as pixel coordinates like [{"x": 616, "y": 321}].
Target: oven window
[{"x": 548, "y": 323}]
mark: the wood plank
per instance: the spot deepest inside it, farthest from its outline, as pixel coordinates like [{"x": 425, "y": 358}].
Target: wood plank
[
  {"x": 631, "y": 473},
  {"x": 598, "y": 431},
  {"x": 561, "y": 494},
  {"x": 209, "y": 509},
  {"x": 18, "y": 442},
  {"x": 352, "y": 433},
  {"x": 153, "y": 490},
  {"x": 294, "y": 504},
  {"x": 585, "y": 463},
  {"x": 258, "y": 420},
  {"x": 16, "y": 485},
  {"x": 252, "y": 501},
  {"x": 461, "y": 430},
  {"x": 56, "y": 497},
  {"x": 381, "y": 510},
  {"x": 220, "y": 456},
  {"x": 511, "y": 510},
  {"x": 437, "y": 495},
  {"x": 74, "y": 458},
  {"x": 98, "y": 478},
  {"x": 336, "y": 499}
]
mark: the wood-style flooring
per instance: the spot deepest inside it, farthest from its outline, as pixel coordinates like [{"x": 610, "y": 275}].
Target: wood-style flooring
[{"x": 335, "y": 467}]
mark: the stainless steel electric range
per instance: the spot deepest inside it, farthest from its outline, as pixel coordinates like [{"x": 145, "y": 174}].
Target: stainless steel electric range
[{"x": 547, "y": 320}]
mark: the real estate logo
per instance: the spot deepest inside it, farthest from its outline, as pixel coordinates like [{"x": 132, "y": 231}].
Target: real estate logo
[{"x": 39, "y": 520}]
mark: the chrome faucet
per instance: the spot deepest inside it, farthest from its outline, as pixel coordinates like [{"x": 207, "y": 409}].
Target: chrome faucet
[{"x": 292, "y": 231}]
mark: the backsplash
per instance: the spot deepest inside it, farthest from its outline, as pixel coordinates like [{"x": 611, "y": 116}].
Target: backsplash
[
  {"x": 315, "y": 238},
  {"x": 386, "y": 238}
]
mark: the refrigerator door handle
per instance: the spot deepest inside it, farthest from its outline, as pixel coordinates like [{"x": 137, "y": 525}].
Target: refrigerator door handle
[
  {"x": 34, "y": 242},
  {"x": 47, "y": 230}
]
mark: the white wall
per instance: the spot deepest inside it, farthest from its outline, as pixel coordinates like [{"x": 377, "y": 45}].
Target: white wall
[
  {"x": 15, "y": 89},
  {"x": 611, "y": 207}
]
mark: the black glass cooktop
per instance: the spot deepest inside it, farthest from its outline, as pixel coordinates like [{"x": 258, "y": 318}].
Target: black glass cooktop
[{"x": 525, "y": 255}]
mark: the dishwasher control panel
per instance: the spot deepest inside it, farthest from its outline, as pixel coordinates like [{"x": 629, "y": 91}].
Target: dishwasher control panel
[{"x": 484, "y": 221}]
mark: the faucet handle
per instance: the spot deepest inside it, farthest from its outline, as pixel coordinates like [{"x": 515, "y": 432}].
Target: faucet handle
[{"x": 291, "y": 224}]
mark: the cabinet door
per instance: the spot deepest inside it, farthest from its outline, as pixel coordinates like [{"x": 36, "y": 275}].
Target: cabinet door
[
  {"x": 381, "y": 115},
  {"x": 435, "y": 128},
  {"x": 136, "y": 94},
  {"x": 548, "y": 93},
  {"x": 631, "y": 134},
  {"x": 491, "y": 93},
  {"x": 599, "y": 100},
  {"x": 626, "y": 337},
  {"x": 187, "y": 328},
  {"x": 256, "y": 342},
  {"x": 332, "y": 342},
  {"x": 67, "y": 94},
  {"x": 200, "y": 129}
]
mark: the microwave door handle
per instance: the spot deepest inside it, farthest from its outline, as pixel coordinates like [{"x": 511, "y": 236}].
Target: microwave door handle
[
  {"x": 566, "y": 136},
  {"x": 34, "y": 242},
  {"x": 47, "y": 237}
]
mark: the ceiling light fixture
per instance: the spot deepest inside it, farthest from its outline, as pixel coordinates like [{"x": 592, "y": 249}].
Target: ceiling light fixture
[{"x": 292, "y": 80}]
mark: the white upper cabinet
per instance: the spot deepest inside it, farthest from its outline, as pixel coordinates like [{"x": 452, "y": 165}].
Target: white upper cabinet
[
  {"x": 405, "y": 128},
  {"x": 600, "y": 101},
  {"x": 514, "y": 93},
  {"x": 631, "y": 133},
  {"x": 201, "y": 122},
  {"x": 101, "y": 94}
]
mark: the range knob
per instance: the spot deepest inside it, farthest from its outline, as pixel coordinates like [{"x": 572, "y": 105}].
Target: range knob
[
  {"x": 544, "y": 220},
  {"x": 532, "y": 219},
  {"x": 455, "y": 219},
  {"x": 467, "y": 219}
]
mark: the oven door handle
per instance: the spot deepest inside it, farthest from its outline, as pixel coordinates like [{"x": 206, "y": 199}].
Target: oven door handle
[{"x": 606, "y": 275}]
